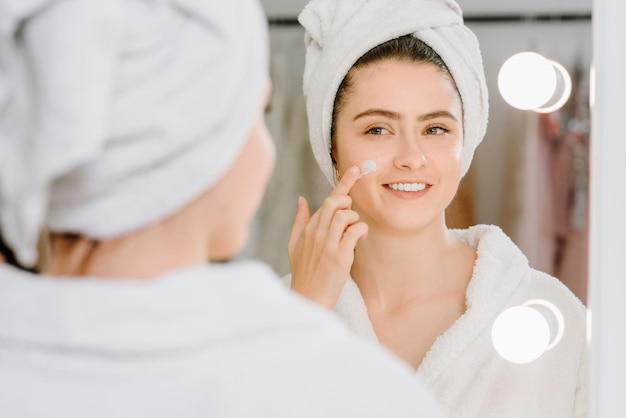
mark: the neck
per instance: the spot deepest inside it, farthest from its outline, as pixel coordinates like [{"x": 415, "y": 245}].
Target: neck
[
  {"x": 394, "y": 268},
  {"x": 148, "y": 253}
]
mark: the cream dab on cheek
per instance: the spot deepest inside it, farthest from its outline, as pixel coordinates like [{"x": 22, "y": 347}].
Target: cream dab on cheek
[{"x": 367, "y": 166}]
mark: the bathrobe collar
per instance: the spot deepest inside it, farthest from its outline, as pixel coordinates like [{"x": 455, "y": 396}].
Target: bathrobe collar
[{"x": 499, "y": 269}]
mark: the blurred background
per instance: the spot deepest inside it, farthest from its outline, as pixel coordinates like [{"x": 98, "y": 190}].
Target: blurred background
[{"x": 530, "y": 175}]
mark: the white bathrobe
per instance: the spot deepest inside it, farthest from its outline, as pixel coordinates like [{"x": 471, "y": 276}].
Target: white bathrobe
[
  {"x": 462, "y": 368},
  {"x": 208, "y": 341}
]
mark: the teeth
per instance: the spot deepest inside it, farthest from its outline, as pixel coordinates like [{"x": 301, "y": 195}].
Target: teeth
[{"x": 407, "y": 187}]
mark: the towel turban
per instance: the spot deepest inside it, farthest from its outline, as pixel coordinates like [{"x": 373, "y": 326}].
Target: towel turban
[
  {"x": 115, "y": 114},
  {"x": 339, "y": 32}
]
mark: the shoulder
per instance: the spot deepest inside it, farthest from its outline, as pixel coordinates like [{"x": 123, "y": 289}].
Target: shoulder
[
  {"x": 310, "y": 354},
  {"x": 491, "y": 243},
  {"x": 497, "y": 251},
  {"x": 502, "y": 273},
  {"x": 335, "y": 374},
  {"x": 233, "y": 331},
  {"x": 369, "y": 376},
  {"x": 543, "y": 285}
]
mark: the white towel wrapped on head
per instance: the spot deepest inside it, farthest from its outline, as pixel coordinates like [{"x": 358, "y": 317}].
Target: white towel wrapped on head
[
  {"x": 339, "y": 32},
  {"x": 115, "y": 114}
]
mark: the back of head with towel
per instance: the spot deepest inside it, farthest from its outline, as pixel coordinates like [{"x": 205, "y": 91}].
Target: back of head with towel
[
  {"x": 115, "y": 116},
  {"x": 133, "y": 132}
]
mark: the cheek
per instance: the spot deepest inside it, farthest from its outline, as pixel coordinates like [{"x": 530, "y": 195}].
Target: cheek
[
  {"x": 449, "y": 156},
  {"x": 453, "y": 167},
  {"x": 347, "y": 155}
]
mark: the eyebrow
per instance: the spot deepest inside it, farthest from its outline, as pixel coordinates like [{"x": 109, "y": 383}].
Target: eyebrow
[
  {"x": 438, "y": 114},
  {"x": 396, "y": 116},
  {"x": 378, "y": 112}
]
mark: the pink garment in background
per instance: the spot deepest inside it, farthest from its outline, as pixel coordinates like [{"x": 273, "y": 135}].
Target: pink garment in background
[{"x": 565, "y": 143}]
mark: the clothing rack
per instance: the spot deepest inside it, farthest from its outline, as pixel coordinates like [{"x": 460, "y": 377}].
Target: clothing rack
[{"x": 504, "y": 18}]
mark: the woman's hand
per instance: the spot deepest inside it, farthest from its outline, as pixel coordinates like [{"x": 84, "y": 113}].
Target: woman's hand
[{"x": 321, "y": 247}]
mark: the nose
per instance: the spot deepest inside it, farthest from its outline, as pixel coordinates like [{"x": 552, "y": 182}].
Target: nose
[{"x": 409, "y": 153}]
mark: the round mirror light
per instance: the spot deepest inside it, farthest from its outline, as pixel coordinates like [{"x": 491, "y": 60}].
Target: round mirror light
[
  {"x": 521, "y": 334},
  {"x": 529, "y": 81},
  {"x": 562, "y": 91}
]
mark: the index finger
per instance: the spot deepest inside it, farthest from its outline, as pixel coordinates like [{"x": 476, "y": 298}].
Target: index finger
[{"x": 347, "y": 181}]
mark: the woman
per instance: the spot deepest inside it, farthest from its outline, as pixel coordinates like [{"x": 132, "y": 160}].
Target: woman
[
  {"x": 401, "y": 83},
  {"x": 133, "y": 131}
]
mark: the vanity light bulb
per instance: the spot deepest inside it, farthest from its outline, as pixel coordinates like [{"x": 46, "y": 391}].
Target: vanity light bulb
[
  {"x": 527, "y": 80},
  {"x": 562, "y": 91},
  {"x": 521, "y": 334}
]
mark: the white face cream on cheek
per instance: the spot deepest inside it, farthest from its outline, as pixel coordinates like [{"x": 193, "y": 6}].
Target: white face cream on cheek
[{"x": 367, "y": 166}]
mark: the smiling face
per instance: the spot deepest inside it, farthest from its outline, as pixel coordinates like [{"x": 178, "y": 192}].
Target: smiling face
[{"x": 407, "y": 117}]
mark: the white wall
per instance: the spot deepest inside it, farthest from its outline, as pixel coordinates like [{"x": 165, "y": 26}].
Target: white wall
[
  {"x": 608, "y": 228},
  {"x": 291, "y": 8},
  {"x": 471, "y": 7}
]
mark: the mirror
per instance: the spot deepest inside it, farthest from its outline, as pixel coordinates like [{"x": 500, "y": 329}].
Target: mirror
[{"x": 530, "y": 174}]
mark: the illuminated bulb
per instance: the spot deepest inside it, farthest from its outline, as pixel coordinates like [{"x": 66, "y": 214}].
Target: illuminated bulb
[
  {"x": 561, "y": 93},
  {"x": 521, "y": 334},
  {"x": 527, "y": 80}
]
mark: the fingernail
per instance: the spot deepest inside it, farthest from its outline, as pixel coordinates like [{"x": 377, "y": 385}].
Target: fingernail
[
  {"x": 367, "y": 166},
  {"x": 300, "y": 198},
  {"x": 352, "y": 171}
]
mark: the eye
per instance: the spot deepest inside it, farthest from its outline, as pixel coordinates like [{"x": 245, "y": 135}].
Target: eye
[
  {"x": 436, "y": 130},
  {"x": 377, "y": 130}
]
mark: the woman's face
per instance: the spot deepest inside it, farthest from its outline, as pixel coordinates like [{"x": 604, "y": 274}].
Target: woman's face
[{"x": 407, "y": 118}]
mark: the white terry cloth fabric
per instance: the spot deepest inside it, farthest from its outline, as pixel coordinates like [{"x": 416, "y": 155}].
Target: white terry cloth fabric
[
  {"x": 210, "y": 341},
  {"x": 100, "y": 101},
  {"x": 339, "y": 32},
  {"x": 462, "y": 369}
]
